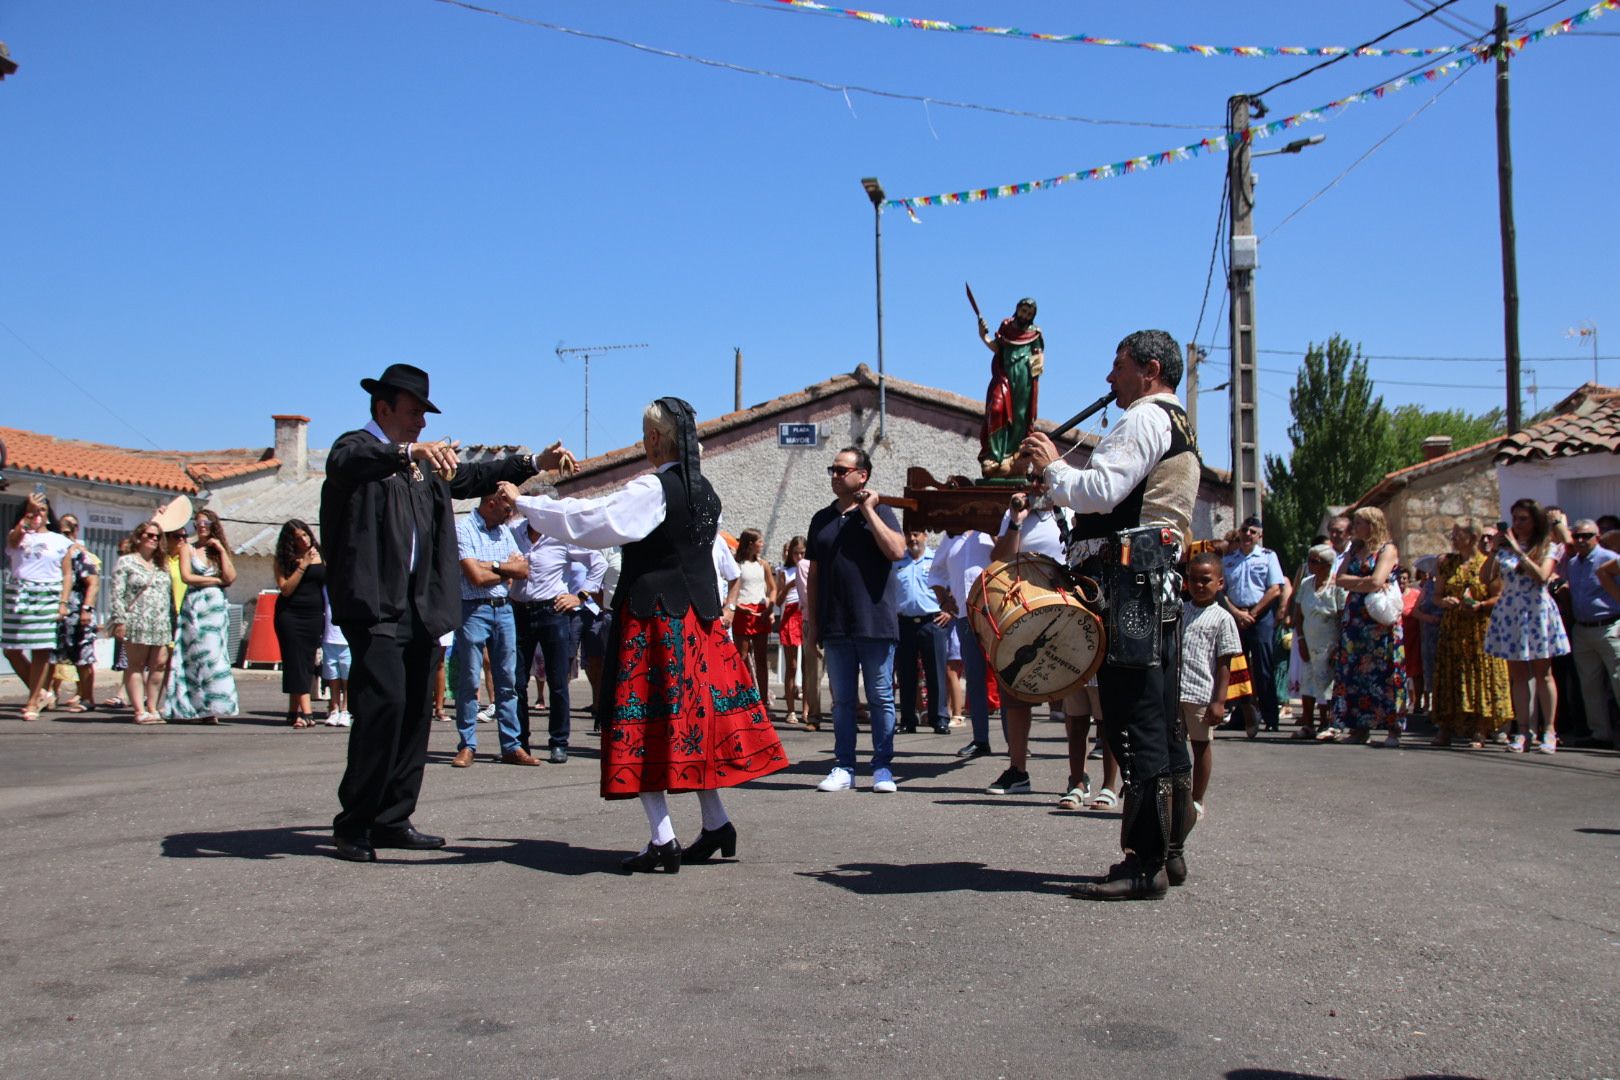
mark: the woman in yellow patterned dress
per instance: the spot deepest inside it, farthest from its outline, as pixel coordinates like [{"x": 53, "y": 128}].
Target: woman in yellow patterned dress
[{"x": 1471, "y": 698}]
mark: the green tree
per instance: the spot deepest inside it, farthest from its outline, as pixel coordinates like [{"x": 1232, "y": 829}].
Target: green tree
[
  {"x": 1340, "y": 438},
  {"x": 1411, "y": 424}
]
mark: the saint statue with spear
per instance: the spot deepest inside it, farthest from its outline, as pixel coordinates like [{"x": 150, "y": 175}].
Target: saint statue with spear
[{"x": 1015, "y": 373}]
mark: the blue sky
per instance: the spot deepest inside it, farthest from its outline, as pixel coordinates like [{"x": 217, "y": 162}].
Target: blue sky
[{"x": 215, "y": 212}]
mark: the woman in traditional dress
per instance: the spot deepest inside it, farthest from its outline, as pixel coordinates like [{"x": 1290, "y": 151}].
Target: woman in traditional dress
[
  {"x": 1526, "y": 629},
  {"x": 143, "y": 619},
  {"x": 1370, "y": 675},
  {"x": 300, "y": 615},
  {"x": 40, "y": 562},
  {"x": 791, "y": 629},
  {"x": 201, "y": 686},
  {"x": 1471, "y": 698},
  {"x": 682, "y": 713},
  {"x": 750, "y": 599}
]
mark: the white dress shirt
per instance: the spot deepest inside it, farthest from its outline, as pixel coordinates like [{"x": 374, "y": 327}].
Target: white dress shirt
[
  {"x": 958, "y": 562},
  {"x": 1121, "y": 460}
]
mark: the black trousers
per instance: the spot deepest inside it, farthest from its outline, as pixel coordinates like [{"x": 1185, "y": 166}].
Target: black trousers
[
  {"x": 921, "y": 636},
  {"x": 390, "y": 696},
  {"x": 1141, "y": 720},
  {"x": 1260, "y": 648},
  {"x": 542, "y": 626}
]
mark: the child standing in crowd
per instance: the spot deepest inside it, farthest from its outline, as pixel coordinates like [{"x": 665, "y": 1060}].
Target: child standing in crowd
[
  {"x": 1209, "y": 641},
  {"x": 335, "y": 670}
]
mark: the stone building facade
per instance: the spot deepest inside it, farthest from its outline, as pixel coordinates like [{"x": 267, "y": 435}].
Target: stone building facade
[
  {"x": 777, "y": 488},
  {"x": 1423, "y": 501}
]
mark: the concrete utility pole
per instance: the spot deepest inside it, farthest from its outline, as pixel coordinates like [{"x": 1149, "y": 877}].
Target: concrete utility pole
[
  {"x": 737, "y": 393},
  {"x": 1242, "y": 263},
  {"x": 585, "y": 351},
  {"x": 1504, "y": 191}
]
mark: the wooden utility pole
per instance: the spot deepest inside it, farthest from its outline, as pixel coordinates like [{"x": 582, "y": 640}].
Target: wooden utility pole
[
  {"x": 1194, "y": 354},
  {"x": 737, "y": 395},
  {"x": 1510, "y": 260},
  {"x": 1242, "y": 263}
]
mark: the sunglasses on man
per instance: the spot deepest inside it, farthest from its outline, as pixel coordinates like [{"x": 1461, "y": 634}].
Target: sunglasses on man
[{"x": 840, "y": 470}]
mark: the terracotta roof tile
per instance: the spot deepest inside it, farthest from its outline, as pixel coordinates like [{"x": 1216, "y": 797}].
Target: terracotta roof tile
[
  {"x": 1592, "y": 426},
  {"x": 76, "y": 460},
  {"x": 209, "y": 472}
]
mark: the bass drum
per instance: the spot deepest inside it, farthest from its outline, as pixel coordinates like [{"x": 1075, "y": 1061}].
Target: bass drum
[{"x": 1042, "y": 638}]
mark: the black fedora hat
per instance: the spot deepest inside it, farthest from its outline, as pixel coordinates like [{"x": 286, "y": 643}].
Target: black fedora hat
[{"x": 412, "y": 380}]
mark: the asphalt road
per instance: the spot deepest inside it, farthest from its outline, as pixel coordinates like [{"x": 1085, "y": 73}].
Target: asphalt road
[{"x": 172, "y": 910}]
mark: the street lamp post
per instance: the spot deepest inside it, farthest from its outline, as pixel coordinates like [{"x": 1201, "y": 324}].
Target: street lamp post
[{"x": 874, "y": 191}]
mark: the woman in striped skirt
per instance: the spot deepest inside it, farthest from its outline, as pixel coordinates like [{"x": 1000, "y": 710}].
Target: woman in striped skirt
[{"x": 39, "y": 559}]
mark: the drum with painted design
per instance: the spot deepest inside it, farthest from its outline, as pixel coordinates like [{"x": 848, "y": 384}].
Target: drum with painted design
[{"x": 1042, "y": 638}]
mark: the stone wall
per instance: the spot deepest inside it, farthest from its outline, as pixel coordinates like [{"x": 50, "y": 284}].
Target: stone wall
[{"x": 1422, "y": 513}]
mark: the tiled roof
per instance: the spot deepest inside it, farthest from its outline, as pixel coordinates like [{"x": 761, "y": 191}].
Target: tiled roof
[
  {"x": 1591, "y": 426},
  {"x": 211, "y": 472},
  {"x": 76, "y": 460}
]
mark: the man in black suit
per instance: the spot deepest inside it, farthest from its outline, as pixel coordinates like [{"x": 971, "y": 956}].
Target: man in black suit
[{"x": 389, "y": 537}]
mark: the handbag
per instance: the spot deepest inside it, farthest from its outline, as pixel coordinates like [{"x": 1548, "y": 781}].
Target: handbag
[{"x": 1385, "y": 604}]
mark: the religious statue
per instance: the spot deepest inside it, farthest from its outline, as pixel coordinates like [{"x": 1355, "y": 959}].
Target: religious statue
[{"x": 1015, "y": 374}]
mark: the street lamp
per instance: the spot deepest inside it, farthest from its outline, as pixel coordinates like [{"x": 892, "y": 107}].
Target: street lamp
[
  {"x": 1243, "y": 261},
  {"x": 874, "y": 191}
]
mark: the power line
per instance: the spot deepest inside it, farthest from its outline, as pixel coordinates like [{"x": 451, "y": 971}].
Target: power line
[
  {"x": 80, "y": 387},
  {"x": 1441, "y": 359},
  {"x": 1328, "y": 63},
  {"x": 1419, "y": 5},
  {"x": 804, "y": 80},
  {"x": 1430, "y": 385},
  {"x": 1371, "y": 150},
  {"x": 1209, "y": 278}
]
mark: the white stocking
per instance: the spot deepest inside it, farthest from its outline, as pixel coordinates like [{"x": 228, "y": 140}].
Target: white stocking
[
  {"x": 657, "y": 808},
  {"x": 714, "y": 811}
]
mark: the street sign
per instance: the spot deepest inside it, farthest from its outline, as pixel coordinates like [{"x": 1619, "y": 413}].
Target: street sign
[{"x": 798, "y": 435}]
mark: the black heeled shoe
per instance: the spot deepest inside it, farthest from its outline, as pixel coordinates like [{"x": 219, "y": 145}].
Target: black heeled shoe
[
  {"x": 723, "y": 840},
  {"x": 667, "y": 856}
]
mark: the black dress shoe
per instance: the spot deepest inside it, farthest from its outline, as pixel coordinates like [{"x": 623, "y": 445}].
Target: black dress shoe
[
  {"x": 942, "y": 729},
  {"x": 907, "y": 729},
  {"x": 559, "y": 755},
  {"x": 354, "y": 850},
  {"x": 973, "y": 750},
  {"x": 1138, "y": 884},
  {"x": 723, "y": 840},
  {"x": 407, "y": 838},
  {"x": 665, "y": 856}
]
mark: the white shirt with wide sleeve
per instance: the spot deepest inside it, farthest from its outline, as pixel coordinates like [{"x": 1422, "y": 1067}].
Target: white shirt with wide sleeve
[
  {"x": 625, "y": 516},
  {"x": 1121, "y": 460}
]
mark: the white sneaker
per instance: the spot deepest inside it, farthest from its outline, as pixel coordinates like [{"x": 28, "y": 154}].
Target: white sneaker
[
  {"x": 1516, "y": 745},
  {"x": 345, "y": 719},
  {"x": 333, "y": 719},
  {"x": 1549, "y": 744},
  {"x": 883, "y": 782},
  {"x": 486, "y": 714},
  {"x": 837, "y": 780}
]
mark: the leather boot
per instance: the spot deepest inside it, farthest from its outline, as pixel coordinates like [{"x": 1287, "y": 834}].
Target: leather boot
[
  {"x": 1141, "y": 876},
  {"x": 1182, "y": 819}
]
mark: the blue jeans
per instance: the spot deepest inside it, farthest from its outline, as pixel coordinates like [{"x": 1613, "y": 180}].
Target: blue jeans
[
  {"x": 975, "y": 674},
  {"x": 845, "y": 657},
  {"x": 486, "y": 625}
]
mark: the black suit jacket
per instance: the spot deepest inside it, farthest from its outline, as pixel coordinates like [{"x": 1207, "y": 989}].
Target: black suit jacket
[{"x": 369, "y": 508}]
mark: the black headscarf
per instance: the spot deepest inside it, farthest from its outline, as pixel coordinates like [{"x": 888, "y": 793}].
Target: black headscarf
[{"x": 686, "y": 440}]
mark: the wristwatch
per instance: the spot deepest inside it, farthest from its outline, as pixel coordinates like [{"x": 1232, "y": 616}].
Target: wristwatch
[{"x": 495, "y": 568}]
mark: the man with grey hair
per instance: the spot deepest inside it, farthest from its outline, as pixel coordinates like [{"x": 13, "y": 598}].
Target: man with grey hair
[
  {"x": 1137, "y": 492},
  {"x": 1593, "y": 573}
]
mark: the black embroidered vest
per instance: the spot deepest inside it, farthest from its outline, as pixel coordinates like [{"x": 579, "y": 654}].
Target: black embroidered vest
[{"x": 674, "y": 565}]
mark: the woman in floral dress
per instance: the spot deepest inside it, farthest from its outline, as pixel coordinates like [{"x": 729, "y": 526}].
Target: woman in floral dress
[
  {"x": 201, "y": 687},
  {"x": 1370, "y": 675},
  {"x": 1526, "y": 629},
  {"x": 143, "y": 618},
  {"x": 1470, "y": 686}
]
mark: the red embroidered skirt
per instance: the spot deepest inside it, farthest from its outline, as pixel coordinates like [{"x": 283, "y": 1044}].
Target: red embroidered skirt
[{"x": 685, "y": 715}]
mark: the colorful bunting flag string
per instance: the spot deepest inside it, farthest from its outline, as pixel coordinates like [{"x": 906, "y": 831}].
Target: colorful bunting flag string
[
  {"x": 1219, "y": 143},
  {"x": 902, "y": 23}
]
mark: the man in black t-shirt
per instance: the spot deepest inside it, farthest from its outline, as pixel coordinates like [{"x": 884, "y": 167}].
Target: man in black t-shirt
[{"x": 853, "y": 546}]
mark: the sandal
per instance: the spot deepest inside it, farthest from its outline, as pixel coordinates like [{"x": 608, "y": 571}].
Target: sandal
[
  {"x": 76, "y": 705},
  {"x": 1105, "y": 800},
  {"x": 148, "y": 718},
  {"x": 113, "y": 703},
  {"x": 30, "y": 714},
  {"x": 1306, "y": 731},
  {"x": 303, "y": 720}
]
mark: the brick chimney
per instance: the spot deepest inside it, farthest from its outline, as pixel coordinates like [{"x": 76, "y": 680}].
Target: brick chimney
[
  {"x": 292, "y": 448},
  {"x": 1436, "y": 446}
]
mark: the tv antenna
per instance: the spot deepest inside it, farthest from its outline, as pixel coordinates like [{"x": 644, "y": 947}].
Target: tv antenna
[{"x": 586, "y": 352}]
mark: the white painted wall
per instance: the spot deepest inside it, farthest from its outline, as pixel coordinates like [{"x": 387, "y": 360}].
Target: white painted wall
[{"x": 1585, "y": 486}]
